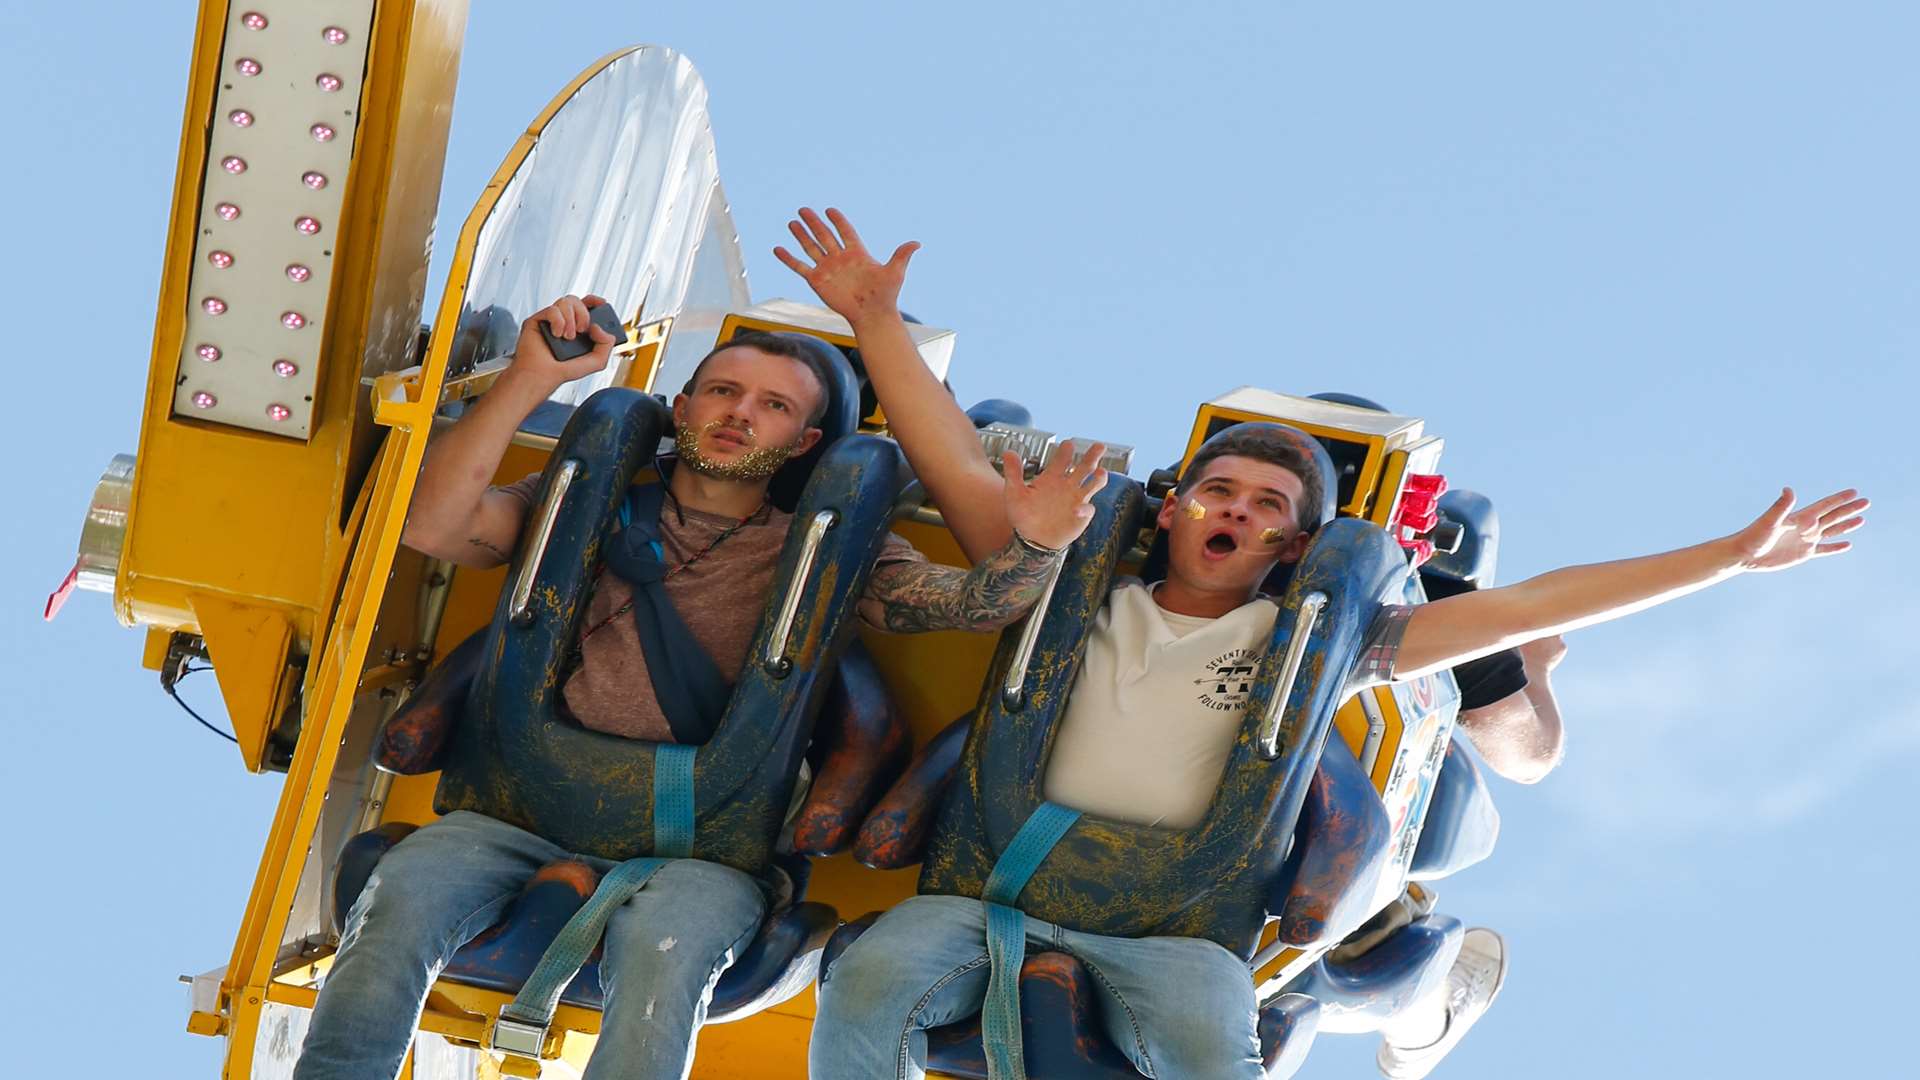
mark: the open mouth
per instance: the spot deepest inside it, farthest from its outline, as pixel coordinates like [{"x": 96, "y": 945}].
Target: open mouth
[
  {"x": 730, "y": 437},
  {"x": 1221, "y": 544}
]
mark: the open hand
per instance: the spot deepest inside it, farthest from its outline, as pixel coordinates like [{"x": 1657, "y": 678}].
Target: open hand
[
  {"x": 1052, "y": 509},
  {"x": 846, "y": 278},
  {"x": 567, "y": 317},
  {"x": 1783, "y": 537}
]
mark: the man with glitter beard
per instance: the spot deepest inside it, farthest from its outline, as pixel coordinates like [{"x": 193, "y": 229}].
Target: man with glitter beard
[{"x": 750, "y": 405}]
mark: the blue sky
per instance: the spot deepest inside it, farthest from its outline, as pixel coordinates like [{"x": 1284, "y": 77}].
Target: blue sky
[{"x": 1640, "y": 265}]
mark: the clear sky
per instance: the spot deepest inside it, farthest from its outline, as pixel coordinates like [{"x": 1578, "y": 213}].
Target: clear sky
[{"x": 1641, "y": 265}]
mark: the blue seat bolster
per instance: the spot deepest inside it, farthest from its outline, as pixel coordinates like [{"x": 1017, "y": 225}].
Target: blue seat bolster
[
  {"x": 1462, "y": 823},
  {"x": 1359, "y": 994},
  {"x": 1341, "y": 847}
]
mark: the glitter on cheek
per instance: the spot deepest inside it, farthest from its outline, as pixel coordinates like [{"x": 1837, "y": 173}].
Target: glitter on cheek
[
  {"x": 1272, "y": 536},
  {"x": 1195, "y": 510}
]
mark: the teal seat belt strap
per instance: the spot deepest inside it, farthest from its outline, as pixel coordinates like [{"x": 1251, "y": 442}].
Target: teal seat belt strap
[
  {"x": 1007, "y": 936},
  {"x": 522, "y": 1026},
  {"x": 673, "y": 800},
  {"x": 523, "y": 1022}
]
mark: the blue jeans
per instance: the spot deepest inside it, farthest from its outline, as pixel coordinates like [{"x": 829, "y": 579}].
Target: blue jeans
[
  {"x": 1178, "y": 1008},
  {"x": 446, "y": 883}
]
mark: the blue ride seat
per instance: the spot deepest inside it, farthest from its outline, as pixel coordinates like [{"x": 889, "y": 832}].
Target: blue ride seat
[
  {"x": 857, "y": 744},
  {"x": 1319, "y": 891}
]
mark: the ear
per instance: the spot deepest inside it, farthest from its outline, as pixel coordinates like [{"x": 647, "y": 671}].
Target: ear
[
  {"x": 1294, "y": 547},
  {"x": 807, "y": 439},
  {"x": 679, "y": 410},
  {"x": 1168, "y": 507}
]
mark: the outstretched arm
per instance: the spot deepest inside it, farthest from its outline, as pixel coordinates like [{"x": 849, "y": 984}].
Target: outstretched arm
[
  {"x": 933, "y": 431},
  {"x": 909, "y": 598},
  {"x": 1460, "y": 628}
]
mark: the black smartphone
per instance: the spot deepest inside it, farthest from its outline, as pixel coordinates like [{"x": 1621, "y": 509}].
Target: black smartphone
[{"x": 582, "y": 343}]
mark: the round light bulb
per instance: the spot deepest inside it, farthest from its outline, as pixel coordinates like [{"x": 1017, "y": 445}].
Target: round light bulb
[
  {"x": 240, "y": 118},
  {"x": 209, "y": 353},
  {"x": 278, "y": 412},
  {"x": 333, "y": 35},
  {"x": 314, "y": 180},
  {"x": 220, "y": 259},
  {"x": 292, "y": 320},
  {"x": 213, "y": 305},
  {"x": 227, "y": 211},
  {"x": 234, "y": 164},
  {"x": 286, "y": 369},
  {"x": 327, "y": 82},
  {"x": 247, "y": 66},
  {"x": 204, "y": 400},
  {"x": 307, "y": 225},
  {"x": 321, "y": 133},
  {"x": 298, "y": 272},
  {"x": 253, "y": 20}
]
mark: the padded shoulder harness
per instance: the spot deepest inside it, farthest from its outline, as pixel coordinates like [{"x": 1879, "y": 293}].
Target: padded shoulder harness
[
  {"x": 1214, "y": 880},
  {"x": 515, "y": 757}
]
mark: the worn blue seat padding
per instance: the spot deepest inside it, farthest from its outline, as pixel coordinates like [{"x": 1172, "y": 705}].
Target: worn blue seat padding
[
  {"x": 414, "y": 738},
  {"x": 1358, "y": 995},
  {"x": 894, "y": 834},
  {"x": 1216, "y": 879},
  {"x": 1065, "y": 1039},
  {"x": 1461, "y": 825},
  {"x": 1341, "y": 846},
  {"x": 576, "y": 940},
  {"x": 687, "y": 684},
  {"x": 860, "y": 745},
  {"x": 355, "y": 865},
  {"x": 516, "y": 757}
]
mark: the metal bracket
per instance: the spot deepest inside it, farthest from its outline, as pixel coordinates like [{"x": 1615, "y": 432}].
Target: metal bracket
[
  {"x": 1013, "y": 691},
  {"x": 517, "y": 1037}
]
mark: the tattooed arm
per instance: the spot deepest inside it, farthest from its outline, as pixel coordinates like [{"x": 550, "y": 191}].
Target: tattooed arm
[{"x": 912, "y": 597}]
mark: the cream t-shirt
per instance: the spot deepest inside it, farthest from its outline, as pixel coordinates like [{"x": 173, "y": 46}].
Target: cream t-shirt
[{"x": 1159, "y": 703}]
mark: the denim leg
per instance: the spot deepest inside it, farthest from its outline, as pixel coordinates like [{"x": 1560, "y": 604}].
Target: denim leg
[
  {"x": 665, "y": 949},
  {"x": 434, "y": 892},
  {"x": 1176, "y": 1007},
  {"x": 923, "y": 964}
]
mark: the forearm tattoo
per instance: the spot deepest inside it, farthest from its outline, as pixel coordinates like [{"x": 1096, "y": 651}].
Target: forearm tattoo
[{"x": 916, "y": 597}]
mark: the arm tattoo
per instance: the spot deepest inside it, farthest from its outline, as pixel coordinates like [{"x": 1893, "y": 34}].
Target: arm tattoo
[
  {"x": 487, "y": 546},
  {"x": 908, "y": 598}
]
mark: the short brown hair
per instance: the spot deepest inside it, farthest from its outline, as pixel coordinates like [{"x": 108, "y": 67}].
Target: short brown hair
[
  {"x": 1261, "y": 443},
  {"x": 776, "y": 345}
]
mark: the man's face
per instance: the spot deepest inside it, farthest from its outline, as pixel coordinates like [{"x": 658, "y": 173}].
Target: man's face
[
  {"x": 1233, "y": 525},
  {"x": 747, "y": 414}
]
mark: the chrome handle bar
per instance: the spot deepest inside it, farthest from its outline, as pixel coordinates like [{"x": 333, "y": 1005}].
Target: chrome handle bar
[
  {"x": 519, "y": 610},
  {"x": 775, "y": 661},
  {"x": 1311, "y": 605}
]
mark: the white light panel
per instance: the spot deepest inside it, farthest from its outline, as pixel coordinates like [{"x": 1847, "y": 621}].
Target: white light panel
[{"x": 279, "y": 145}]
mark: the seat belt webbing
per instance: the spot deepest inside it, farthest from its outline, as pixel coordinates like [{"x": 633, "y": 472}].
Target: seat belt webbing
[
  {"x": 672, "y": 839},
  {"x": 1007, "y": 936}
]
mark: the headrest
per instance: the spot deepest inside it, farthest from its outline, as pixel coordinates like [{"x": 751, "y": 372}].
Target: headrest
[
  {"x": 1305, "y": 444},
  {"x": 1479, "y": 540},
  {"x": 842, "y": 417},
  {"x": 1354, "y": 400},
  {"x": 1000, "y": 411}
]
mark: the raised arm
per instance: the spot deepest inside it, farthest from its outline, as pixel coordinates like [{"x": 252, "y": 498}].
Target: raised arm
[
  {"x": 933, "y": 431},
  {"x": 1460, "y": 628},
  {"x": 455, "y": 514},
  {"x": 1045, "y": 516}
]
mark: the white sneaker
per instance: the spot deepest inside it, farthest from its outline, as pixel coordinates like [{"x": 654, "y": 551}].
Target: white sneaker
[{"x": 1473, "y": 982}]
